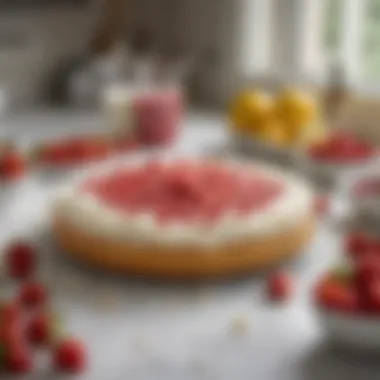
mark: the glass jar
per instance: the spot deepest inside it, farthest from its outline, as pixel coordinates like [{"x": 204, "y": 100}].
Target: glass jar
[{"x": 158, "y": 112}]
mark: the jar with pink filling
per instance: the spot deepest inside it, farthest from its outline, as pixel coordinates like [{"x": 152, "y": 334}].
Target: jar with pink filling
[{"x": 158, "y": 112}]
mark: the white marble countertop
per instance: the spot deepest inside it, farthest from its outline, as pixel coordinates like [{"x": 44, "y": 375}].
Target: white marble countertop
[{"x": 145, "y": 330}]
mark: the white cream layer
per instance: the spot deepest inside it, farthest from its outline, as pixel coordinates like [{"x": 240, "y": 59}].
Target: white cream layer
[{"x": 87, "y": 213}]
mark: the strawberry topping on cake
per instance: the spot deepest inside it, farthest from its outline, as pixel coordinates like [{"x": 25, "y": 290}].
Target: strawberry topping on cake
[{"x": 185, "y": 190}]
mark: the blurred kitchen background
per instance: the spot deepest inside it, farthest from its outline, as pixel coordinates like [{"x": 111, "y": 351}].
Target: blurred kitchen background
[{"x": 66, "y": 52}]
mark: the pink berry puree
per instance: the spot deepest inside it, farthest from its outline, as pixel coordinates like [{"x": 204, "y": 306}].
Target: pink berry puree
[
  {"x": 186, "y": 190},
  {"x": 158, "y": 114}
]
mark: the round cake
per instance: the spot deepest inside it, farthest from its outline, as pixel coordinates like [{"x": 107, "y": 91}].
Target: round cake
[{"x": 184, "y": 219}]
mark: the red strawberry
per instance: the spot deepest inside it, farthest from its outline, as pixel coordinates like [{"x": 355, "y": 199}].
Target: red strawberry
[
  {"x": 366, "y": 270},
  {"x": 358, "y": 243},
  {"x": 52, "y": 154},
  {"x": 11, "y": 334},
  {"x": 280, "y": 286},
  {"x": 18, "y": 360},
  {"x": 20, "y": 259},
  {"x": 12, "y": 165},
  {"x": 33, "y": 294},
  {"x": 371, "y": 297},
  {"x": 70, "y": 356},
  {"x": 336, "y": 295},
  {"x": 9, "y": 313},
  {"x": 40, "y": 330}
]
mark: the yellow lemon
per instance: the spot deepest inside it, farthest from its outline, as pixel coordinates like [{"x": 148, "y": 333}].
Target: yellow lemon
[
  {"x": 296, "y": 108},
  {"x": 274, "y": 132},
  {"x": 250, "y": 109}
]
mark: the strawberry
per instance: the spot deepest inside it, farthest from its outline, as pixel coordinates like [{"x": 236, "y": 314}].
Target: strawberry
[
  {"x": 336, "y": 295},
  {"x": 371, "y": 297},
  {"x": 357, "y": 243},
  {"x": 33, "y": 294},
  {"x": 9, "y": 313},
  {"x": 18, "y": 360},
  {"x": 12, "y": 165},
  {"x": 51, "y": 154},
  {"x": 98, "y": 149},
  {"x": 279, "y": 286},
  {"x": 70, "y": 356},
  {"x": 20, "y": 259},
  {"x": 366, "y": 270},
  {"x": 41, "y": 329},
  {"x": 11, "y": 334}
]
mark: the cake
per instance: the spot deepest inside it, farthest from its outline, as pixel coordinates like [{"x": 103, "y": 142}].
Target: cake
[{"x": 184, "y": 218}]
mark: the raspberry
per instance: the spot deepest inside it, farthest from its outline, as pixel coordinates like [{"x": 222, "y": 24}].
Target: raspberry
[{"x": 70, "y": 356}]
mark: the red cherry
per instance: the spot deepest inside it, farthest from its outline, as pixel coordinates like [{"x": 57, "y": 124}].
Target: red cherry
[
  {"x": 19, "y": 360},
  {"x": 39, "y": 329},
  {"x": 280, "y": 286},
  {"x": 33, "y": 294},
  {"x": 20, "y": 259},
  {"x": 336, "y": 295},
  {"x": 12, "y": 165},
  {"x": 70, "y": 356}
]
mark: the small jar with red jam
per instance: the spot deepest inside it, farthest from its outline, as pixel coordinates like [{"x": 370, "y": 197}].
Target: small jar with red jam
[{"x": 158, "y": 112}]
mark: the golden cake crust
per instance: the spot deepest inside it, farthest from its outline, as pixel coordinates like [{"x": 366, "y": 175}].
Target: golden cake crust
[{"x": 182, "y": 261}]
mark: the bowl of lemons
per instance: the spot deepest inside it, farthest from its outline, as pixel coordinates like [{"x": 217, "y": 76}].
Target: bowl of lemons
[{"x": 275, "y": 126}]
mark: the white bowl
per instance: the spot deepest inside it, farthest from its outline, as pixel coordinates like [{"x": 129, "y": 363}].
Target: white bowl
[
  {"x": 354, "y": 332},
  {"x": 261, "y": 150}
]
